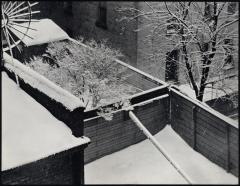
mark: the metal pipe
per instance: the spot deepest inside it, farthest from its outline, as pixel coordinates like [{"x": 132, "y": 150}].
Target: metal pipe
[{"x": 158, "y": 146}]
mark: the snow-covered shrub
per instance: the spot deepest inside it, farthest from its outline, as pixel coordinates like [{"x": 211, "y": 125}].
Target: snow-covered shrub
[{"x": 92, "y": 75}]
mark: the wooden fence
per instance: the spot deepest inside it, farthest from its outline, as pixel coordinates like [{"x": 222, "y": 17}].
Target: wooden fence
[
  {"x": 210, "y": 133},
  {"x": 111, "y": 136}
]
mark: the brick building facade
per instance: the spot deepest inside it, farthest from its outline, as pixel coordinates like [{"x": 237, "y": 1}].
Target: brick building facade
[{"x": 100, "y": 20}]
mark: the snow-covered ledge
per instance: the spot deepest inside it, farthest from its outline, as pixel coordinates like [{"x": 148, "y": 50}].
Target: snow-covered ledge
[
  {"x": 207, "y": 108},
  {"x": 42, "y": 84},
  {"x": 29, "y": 131}
]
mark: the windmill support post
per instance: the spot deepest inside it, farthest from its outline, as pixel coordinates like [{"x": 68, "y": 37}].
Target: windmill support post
[{"x": 158, "y": 146}]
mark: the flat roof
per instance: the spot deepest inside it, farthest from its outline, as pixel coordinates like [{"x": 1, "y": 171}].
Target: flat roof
[
  {"x": 46, "y": 32},
  {"x": 29, "y": 131}
]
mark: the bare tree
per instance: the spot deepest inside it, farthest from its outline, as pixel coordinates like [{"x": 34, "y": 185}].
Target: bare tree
[
  {"x": 91, "y": 75},
  {"x": 203, "y": 32}
]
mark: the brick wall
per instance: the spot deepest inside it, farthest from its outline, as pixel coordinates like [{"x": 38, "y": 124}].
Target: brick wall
[
  {"x": 73, "y": 119},
  {"x": 157, "y": 44},
  {"x": 55, "y": 169},
  {"x": 149, "y": 44},
  {"x": 83, "y": 24},
  {"x": 111, "y": 136},
  {"x": 208, "y": 134},
  {"x": 137, "y": 47},
  {"x": 52, "y": 10}
]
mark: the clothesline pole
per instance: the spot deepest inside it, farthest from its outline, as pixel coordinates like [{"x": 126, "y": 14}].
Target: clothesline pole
[{"x": 158, "y": 146}]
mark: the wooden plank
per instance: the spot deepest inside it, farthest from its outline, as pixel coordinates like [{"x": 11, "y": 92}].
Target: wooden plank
[
  {"x": 201, "y": 148},
  {"x": 109, "y": 126},
  {"x": 182, "y": 124},
  {"x": 211, "y": 130},
  {"x": 154, "y": 116},
  {"x": 214, "y": 142},
  {"x": 115, "y": 142},
  {"x": 211, "y": 135},
  {"x": 234, "y": 148},
  {"x": 109, "y": 138},
  {"x": 200, "y": 119},
  {"x": 181, "y": 111},
  {"x": 194, "y": 123},
  {"x": 90, "y": 130},
  {"x": 151, "y": 106},
  {"x": 234, "y": 156},
  {"x": 184, "y": 135},
  {"x": 182, "y": 121},
  {"x": 121, "y": 129},
  {"x": 207, "y": 110},
  {"x": 135, "y": 99},
  {"x": 212, "y": 147},
  {"x": 204, "y": 115},
  {"x": 228, "y": 149},
  {"x": 234, "y": 132},
  {"x": 151, "y": 112},
  {"x": 234, "y": 145},
  {"x": 117, "y": 117}
]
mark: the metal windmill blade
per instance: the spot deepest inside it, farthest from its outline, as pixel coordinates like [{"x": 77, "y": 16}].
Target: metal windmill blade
[{"x": 14, "y": 14}]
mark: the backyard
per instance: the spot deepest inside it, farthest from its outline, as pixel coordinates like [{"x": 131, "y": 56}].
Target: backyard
[
  {"x": 144, "y": 164},
  {"x": 137, "y": 93}
]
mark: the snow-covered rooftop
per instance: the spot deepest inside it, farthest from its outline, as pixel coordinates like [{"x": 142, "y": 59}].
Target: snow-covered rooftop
[
  {"x": 29, "y": 131},
  {"x": 46, "y": 31}
]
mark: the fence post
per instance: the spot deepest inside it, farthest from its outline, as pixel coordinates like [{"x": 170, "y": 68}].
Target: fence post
[
  {"x": 194, "y": 111},
  {"x": 170, "y": 108},
  {"x": 228, "y": 150}
]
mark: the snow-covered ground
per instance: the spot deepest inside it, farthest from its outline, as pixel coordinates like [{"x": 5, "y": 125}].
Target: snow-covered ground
[
  {"x": 29, "y": 131},
  {"x": 144, "y": 164},
  {"x": 231, "y": 86}
]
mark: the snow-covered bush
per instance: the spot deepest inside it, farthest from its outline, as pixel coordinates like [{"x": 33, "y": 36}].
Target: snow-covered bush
[{"x": 92, "y": 75}]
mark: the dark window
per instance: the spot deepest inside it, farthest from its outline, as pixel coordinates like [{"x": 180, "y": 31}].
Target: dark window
[
  {"x": 232, "y": 6},
  {"x": 172, "y": 66},
  {"x": 102, "y": 16},
  {"x": 67, "y": 7},
  {"x": 228, "y": 46}
]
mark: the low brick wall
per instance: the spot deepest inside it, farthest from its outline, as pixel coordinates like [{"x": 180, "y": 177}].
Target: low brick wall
[
  {"x": 111, "y": 136},
  {"x": 55, "y": 169},
  {"x": 73, "y": 119},
  {"x": 206, "y": 132},
  {"x": 108, "y": 136}
]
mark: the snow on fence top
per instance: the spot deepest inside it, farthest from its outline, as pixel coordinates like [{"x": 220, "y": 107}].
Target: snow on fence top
[
  {"x": 42, "y": 84},
  {"x": 29, "y": 131},
  {"x": 207, "y": 108}
]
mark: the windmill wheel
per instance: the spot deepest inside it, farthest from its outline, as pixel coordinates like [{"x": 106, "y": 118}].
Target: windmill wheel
[{"x": 16, "y": 18}]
